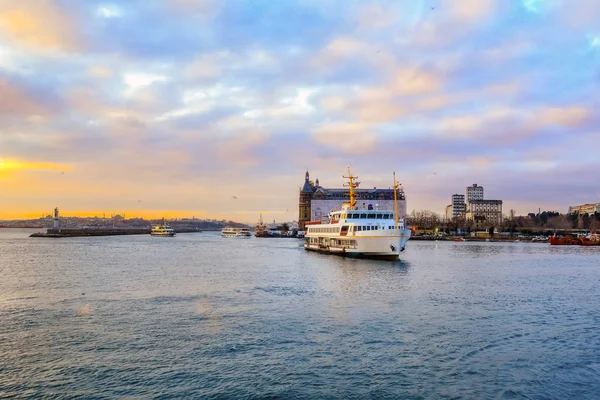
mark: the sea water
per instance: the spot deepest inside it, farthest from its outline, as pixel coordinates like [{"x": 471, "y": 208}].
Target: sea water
[{"x": 200, "y": 316}]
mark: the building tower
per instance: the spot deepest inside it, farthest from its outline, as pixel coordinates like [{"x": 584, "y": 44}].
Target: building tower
[
  {"x": 474, "y": 192},
  {"x": 56, "y": 220},
  {"x": 459, "y": 208},
  {"x": 305, "y": 197}
]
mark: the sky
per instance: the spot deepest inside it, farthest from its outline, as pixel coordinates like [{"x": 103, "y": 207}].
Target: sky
[{"x": 216, "y": 109}]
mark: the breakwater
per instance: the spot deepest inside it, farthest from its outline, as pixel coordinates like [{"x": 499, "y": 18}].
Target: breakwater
[{"x": 80, "y": 232}]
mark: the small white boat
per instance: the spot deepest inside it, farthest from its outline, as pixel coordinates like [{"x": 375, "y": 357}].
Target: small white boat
[
  {"x": 162, "y": 230},
  {"x": 236, "y": 232}
]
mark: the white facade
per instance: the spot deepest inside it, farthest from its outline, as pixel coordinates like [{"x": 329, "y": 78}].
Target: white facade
[{"x": 320, "y": 209}]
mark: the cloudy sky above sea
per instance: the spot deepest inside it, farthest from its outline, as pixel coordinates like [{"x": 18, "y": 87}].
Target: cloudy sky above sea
[{"x": 215, "y": 109}]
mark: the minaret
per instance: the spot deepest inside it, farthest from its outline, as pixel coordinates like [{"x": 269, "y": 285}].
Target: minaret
[{"x": 56, "y": 221}]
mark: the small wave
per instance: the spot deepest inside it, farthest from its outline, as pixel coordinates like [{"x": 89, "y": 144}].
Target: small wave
[
  {"x": 22, "y": 298},
  {"x": 284, "y": 291},
  {"x": 509, "y": 394},
  {"x": 173, "y": 299}
]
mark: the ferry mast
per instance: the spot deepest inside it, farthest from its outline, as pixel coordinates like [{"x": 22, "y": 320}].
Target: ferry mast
[
  {"x": 352, "y": 185},
  {"x": 396, "y": 185}
]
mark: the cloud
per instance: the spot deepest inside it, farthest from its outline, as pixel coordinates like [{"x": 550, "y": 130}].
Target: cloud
[
  {"x": 471, "y": 90},
  {"x": 10, "y": 166},
  {"x": 471, "y": 10},
  {"x": 378, "y": 15},
  {"x": 20, "y": 99},
  {"x": 41, "y": 25},
  {"x": 350, "y": 138},
  {"x": 411, "y": 81}
]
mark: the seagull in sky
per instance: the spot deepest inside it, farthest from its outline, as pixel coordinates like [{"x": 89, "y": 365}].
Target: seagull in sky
[{"x": 234, "y": 197}]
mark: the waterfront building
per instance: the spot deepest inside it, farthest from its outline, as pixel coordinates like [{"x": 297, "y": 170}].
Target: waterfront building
[
  {"x": 459, "y": 208},
  {"x": 485, "y": 213},
  {"x": 474, "y": 192},
  {"x": 448, "y": 214},
  {"x": 316, "y": 202},
  {"x": 585, "y": 209}
]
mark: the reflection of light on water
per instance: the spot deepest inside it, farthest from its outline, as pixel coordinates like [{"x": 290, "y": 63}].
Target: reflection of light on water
[
  {"x": 356, "y": 285},
  {"x": 85, "y": 310},
  {"x": 203, "y": 306},
  {"x": 213, "y": 318}
]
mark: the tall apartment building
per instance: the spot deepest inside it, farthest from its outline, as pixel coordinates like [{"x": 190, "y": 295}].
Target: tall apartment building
[
  {"x": 474, "y": 192},
  {"x": 585, "y": 209},
  {"x": 459, "y": 208},
  {"x": 484, "y": 213}
]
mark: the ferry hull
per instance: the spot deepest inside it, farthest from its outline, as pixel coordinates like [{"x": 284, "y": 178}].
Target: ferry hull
[
  {"x": 237, "y": 236},
  {"x": 352, "y": 254},
  {"x": 373, "y": 247}
]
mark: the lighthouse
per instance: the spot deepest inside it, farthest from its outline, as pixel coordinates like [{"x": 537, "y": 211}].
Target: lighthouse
[{"x": 56, "y": 221}]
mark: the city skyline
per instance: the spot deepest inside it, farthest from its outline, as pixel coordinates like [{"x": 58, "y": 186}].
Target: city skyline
[{"x": 181, "y": 108}]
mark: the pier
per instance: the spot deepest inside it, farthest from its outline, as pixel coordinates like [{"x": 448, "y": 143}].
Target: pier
[{"x": 83, "y": 232}]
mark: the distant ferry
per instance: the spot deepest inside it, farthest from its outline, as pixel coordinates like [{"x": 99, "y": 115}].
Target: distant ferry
[
  {"x": 236, "y": 232},
  {"x": 261, "y": 229},
  {"x": 162, "y": 230},
  {"x": 359, "y": 233}
]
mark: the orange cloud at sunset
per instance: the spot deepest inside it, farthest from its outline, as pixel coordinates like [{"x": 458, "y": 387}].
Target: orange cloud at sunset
[
  {"x": 9, "y": 165},
  {"x": 38, "y": 24}
]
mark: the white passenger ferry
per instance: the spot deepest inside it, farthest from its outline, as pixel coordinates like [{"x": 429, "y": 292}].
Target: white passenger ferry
[
  {"x": 359, "y": 233},
  {"x": 162, "y": 230},
  {"x": 236, "y": 232}
]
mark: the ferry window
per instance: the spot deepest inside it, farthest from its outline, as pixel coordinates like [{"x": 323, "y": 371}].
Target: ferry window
[
  {"x": 358, "y": 228},
  {"x": 363, "y": 216},
  {"x": 379, "y": 216},
  {"x": 371, "y": 216}
]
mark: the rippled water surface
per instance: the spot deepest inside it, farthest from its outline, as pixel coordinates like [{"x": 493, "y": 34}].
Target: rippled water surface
[{"x": 199, "y": 316}]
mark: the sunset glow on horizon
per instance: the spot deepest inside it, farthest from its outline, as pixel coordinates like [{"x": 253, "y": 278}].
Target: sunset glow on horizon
[{"x": 216, "y": 109}]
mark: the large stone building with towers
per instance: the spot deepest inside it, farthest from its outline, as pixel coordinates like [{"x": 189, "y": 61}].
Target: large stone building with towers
[{"x": 315, "y": 202}]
